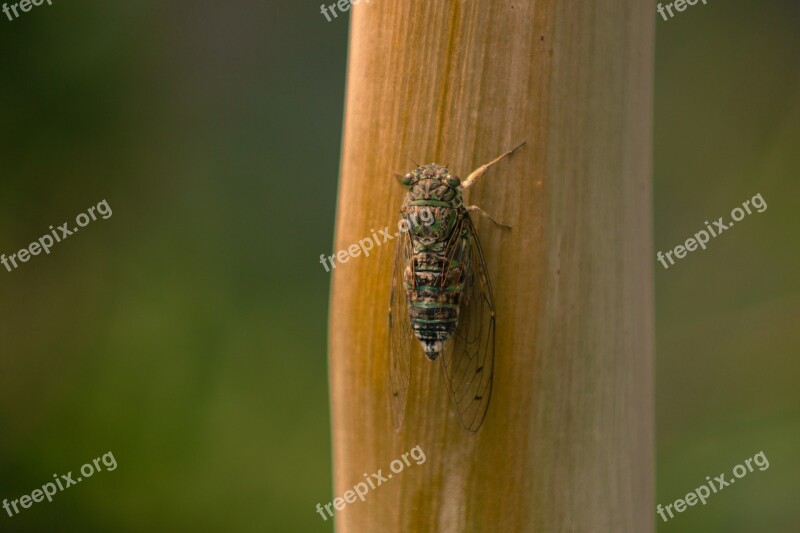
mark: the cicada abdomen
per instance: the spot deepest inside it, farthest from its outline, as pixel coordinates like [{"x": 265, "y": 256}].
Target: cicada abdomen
[{"x": 441, "y": 294}]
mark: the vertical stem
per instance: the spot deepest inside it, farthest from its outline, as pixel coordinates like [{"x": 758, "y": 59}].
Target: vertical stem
[{"x": 567, "y": 444}]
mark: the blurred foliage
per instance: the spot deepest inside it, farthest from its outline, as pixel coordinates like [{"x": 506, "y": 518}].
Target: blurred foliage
[
  {"x": 727, "y": 127},
  {"x": 187, "y": 333}
]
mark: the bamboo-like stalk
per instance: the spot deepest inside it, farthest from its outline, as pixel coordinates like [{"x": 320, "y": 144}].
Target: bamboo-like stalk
[{"x": 568, "y": 442}]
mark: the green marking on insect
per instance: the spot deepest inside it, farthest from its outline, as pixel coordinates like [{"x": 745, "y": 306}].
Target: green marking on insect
[
  {"x": 433, "y": 305},
  {"x": 441, "y": 297}
]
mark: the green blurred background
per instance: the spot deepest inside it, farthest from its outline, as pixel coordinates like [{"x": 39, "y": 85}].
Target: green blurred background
[
  {"x": 187, "y": 333},
  {"x": 727, "y": 127}
]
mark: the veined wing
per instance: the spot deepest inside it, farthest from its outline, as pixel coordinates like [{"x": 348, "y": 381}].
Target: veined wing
[
  {"x": 468, "y": 360},
  {"x": 401, "y": 336}
]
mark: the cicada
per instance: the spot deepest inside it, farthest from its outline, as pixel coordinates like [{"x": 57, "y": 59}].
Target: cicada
[{"x": 441, "y": 293}]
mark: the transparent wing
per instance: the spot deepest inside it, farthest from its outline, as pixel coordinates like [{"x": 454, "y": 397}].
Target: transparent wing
[
  {"x": 401, "y": 337},
  {"x": 468, "y": 359}
]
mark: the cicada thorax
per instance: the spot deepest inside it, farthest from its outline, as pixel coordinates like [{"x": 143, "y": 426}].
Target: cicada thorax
[{"x": 436, "y": 275}]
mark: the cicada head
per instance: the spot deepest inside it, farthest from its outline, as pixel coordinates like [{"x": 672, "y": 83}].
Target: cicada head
[
  {"x": 432, "y": 172},
  {"x": 433, "y": 185}
]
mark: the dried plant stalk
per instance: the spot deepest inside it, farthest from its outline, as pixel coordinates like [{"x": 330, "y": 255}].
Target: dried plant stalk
[{"x": 567, "y": 444}]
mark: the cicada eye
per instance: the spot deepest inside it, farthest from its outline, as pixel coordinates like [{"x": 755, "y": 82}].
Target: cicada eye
[
  {"x": 454, "y": 181},
  {"x": 406, "y": 180}
]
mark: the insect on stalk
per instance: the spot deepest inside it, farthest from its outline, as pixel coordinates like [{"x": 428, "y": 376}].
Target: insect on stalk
[{"x": 441, "y": 293}]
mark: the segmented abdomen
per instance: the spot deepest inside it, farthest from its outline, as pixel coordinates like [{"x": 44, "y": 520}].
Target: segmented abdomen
[{"x": 434, "y": 293}]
